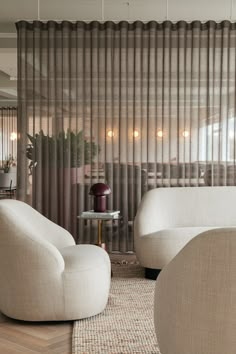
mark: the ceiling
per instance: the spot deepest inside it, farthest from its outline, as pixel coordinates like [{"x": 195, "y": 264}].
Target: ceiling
[{"x": 88, "y": 10}]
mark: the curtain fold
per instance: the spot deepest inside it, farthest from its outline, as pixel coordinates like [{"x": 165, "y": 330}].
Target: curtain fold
[
  {"x": 134, "y": 105},
  {"x": 8, "y": 136}
]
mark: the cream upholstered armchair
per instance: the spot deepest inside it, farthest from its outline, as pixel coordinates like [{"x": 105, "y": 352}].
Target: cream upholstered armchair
[
  {"x": 168, "y": 218},
  {"x": 195, "y": 297},
  {"x": 44, "y": 276}
]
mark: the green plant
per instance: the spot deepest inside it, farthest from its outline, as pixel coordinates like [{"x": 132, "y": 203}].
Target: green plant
[{"x": 67, "y": 149}]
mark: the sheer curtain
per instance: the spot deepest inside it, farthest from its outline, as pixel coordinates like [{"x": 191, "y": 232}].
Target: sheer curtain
[
  {"x": 8, "y": 135},
  {"x": 135, "y": 105}
]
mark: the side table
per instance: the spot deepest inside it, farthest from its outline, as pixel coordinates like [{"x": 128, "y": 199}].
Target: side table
[{"x": 100, "y": 217}]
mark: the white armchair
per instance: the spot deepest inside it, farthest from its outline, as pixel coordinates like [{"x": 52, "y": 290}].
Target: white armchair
[
  {"x": 168, "y": 218},
  {"x": 44, "y": 276},
  {"x": 195, "y": 297}
]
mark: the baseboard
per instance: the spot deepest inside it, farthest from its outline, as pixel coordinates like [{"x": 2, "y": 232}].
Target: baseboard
[{"x": 152, "y": 273}]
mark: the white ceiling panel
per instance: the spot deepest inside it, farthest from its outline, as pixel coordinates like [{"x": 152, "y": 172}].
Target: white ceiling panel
[
  {"x": 116, "y": 10},
  {"x": 133, "y": 10},
  {"x": 13, "y": 10},
  {"x": 73, "y": 10},
  {"x": 234, "y": 10},
  {"x": 199, "y": 10},
  {"x": 148, "y": 10}
]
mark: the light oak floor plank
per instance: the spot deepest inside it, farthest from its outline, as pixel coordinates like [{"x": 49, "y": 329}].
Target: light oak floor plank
[{"x": 18, "y": 337}]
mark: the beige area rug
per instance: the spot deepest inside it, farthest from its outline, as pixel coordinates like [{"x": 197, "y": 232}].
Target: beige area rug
[{"x": 126, "y": 326}]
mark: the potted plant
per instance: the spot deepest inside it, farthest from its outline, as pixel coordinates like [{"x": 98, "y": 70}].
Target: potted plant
[{"x": 65, "y": 150}]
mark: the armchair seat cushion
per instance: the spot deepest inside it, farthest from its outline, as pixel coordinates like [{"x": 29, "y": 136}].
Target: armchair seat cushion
[
  {"x": 158, "y": 248},
  {"x": 81, "y": 258},
  {"x": 87, "y": 277}
]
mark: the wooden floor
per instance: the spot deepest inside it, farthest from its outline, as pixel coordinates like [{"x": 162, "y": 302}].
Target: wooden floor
[{"x": 18, "y": 337}]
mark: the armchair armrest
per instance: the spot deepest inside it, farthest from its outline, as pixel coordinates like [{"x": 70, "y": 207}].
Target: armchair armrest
[{"x": 195, "y": 297}]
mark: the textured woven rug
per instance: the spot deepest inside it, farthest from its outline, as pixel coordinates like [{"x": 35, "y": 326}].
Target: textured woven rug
[{"x": 126, "y": 326}]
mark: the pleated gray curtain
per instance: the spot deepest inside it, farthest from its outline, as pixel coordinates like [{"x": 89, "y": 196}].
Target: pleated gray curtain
[
  {"x": 8, "y": 136},
  {"x": 135, "y": 105}
]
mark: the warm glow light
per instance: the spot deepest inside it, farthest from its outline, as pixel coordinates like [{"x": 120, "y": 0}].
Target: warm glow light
[
  {"x": 135, "y": 133},
  {"x": 13, "y": 136},
  {"x": 160, "y": 134},
  {"x": 110, "y": 133},
  {"x": 185, "y": 133}
]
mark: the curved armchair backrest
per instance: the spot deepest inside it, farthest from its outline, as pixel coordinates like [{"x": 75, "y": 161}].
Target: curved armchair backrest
[
  {"x": 165, "y": 208},
  {"x": 195, "y": 297},
  {"x": 25, "y": 217},
  {"x": 31, "y": 264}
]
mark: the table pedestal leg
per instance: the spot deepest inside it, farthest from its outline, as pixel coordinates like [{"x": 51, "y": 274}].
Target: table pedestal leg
[
  {"x": 100, "y": 243},
  {"x": 100, "y": 233}
]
